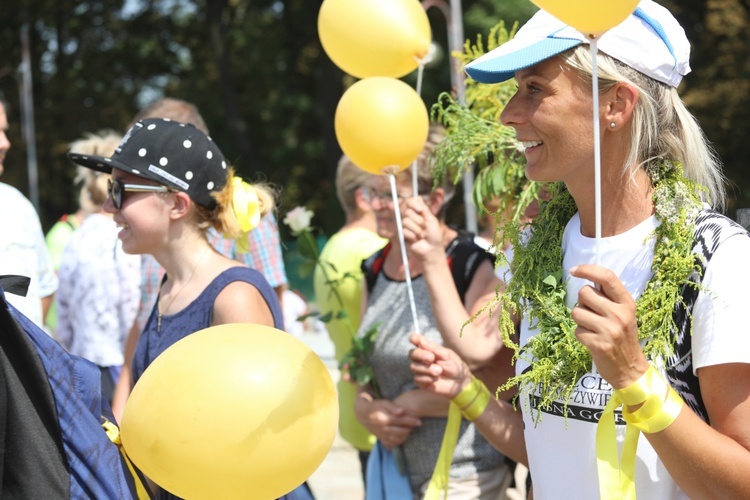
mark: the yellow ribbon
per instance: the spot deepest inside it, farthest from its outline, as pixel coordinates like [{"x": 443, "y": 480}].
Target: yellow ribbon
[
  {"x": 470, "y": 403},
  {"x": 617, "y": 474},
  {"x": 113, "y": 433},
  {"x": 246, "y": 207},
  {"x": 616, "y": 479},
  {"x": 438, "y": 487}
]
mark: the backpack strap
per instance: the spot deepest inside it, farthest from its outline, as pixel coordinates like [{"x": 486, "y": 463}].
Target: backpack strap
[
  {"x": 464, "y": 258},
  {"x": 372, "y": 266}
]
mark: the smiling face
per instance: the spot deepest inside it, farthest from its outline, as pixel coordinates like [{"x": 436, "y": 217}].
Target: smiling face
[
  {"x": 552, "y": 115},
  {"x": 143, "y": 217}
]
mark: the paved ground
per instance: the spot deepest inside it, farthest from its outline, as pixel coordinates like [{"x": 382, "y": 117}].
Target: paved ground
[{"x": 339, "y": 476}]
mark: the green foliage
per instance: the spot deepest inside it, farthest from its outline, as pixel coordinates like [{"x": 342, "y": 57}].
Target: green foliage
[
  {"x": 537, "y": 290},
  {"x": 476, "y": 138}
]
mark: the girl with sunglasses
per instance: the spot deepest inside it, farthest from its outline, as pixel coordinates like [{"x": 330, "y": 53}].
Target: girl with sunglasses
[{"x": 170, "y": 184}]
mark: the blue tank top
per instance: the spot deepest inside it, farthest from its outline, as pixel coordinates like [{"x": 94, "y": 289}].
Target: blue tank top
[{"x": 197, "y": 316}]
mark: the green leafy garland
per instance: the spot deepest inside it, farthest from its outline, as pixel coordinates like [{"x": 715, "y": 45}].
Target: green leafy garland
[
  {"x": 537, "y": 290},
  {"x": 476, "y": 138}
]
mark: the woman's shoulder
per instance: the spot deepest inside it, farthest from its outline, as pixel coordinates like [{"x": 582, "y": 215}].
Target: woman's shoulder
[{"x": 240, "y": 273}]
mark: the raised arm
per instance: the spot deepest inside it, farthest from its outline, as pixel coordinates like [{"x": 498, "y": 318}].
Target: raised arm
[
  {"x": 479, "y": 341},
  {"x": 442, "y": 372}
]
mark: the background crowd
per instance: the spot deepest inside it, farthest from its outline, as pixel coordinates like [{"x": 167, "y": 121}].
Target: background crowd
[{"x": 147, "y": 259}]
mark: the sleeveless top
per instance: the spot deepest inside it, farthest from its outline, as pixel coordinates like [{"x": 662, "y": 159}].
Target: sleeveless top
[
  {"x": 388, "y": 306},
  {"x": 197, "y": 316}
]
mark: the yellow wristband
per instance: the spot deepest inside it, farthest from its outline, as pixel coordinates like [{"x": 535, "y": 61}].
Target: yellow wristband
[
  {"x": 653, "y": 404},
  {"x": 660, "y": 419},
  {"x": 639, "y": 391},
  {"x": 479, "y": 404},
  {"x": 468, "y": 394}
]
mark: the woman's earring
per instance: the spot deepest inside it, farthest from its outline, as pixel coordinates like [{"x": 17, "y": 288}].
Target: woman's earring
[{"x": 612, "y": 124}]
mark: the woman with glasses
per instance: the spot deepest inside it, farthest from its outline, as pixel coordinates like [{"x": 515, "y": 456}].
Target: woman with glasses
[
  {"x": 170, "y": 184},
  {"x": 452, "y": 279},
  {"x": 99, "y": 285}
]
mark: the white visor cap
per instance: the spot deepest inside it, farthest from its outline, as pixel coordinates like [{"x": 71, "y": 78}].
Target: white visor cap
[{"x": 650, "y": 40}]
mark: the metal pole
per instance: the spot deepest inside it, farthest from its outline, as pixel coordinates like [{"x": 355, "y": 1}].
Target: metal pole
[
  {"x": 456, "y": 42},
  {"x": 27, "y": 106},
  {"x": 454, "y": 22}
]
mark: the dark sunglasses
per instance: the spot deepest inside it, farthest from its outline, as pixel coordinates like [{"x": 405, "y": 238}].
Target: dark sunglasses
[{"x": 117, "y": 188}]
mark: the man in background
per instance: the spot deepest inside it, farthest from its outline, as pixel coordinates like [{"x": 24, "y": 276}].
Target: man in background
[{"x": 23, "y": 251}]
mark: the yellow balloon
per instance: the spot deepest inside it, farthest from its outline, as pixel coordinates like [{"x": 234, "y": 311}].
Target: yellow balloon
[
  {"x": 374, "y": 37},
  {"x": 381, "y": 124},
  {"x": 232, "y": 411},
  {"x": 590, "y": 17}
]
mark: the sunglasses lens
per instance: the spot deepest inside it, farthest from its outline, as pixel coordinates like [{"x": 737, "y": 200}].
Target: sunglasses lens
[{"x": 115, "y": 192}]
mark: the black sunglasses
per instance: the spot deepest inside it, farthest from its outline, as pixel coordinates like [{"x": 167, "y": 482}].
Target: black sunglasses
[{"x": 117, "y": 188}]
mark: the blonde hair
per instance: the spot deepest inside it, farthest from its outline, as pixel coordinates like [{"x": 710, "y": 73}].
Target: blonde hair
[
  {"x": 222, "y": 218},
  {"x": 349, "y": 178},
  {"x": 661, "y": 127},
  {"x": 93, "y": 193}
]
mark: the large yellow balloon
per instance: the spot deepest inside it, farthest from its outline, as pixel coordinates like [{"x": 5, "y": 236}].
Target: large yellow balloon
[
  {"x": 232, "y": 411},
  {"x": 381, "y": 124},
  {"x": 374, "y": 37},
  {"x": 590, "y": 17}
]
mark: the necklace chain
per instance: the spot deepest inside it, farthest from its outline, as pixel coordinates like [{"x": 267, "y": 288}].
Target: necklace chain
[
  {"x": 537, "y": 289},
  {"x": 159, "y": 309}
]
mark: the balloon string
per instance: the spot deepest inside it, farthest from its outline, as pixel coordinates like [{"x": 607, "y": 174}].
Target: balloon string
[
  {"x": 404, "y": 257},
  {"x": 414, "y": 168},
  {"x": 597, "y": 155},
  {"x": 597, "y": 164}
]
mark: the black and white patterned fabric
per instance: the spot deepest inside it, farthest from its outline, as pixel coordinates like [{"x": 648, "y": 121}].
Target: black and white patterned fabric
[{"x": 711, "y": 230}]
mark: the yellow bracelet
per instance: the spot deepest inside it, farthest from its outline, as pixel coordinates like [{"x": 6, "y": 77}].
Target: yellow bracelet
[
  {"x": 468, "y": 394},
  {"x": 661, "y": 404},
  {"x": 661, "y": 419},
  {"x": 473, "y": 399},
  {"x": 639, "y": 391},
  {"x": 479, "y": 404}
]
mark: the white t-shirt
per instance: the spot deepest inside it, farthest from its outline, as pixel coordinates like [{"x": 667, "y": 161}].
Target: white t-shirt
[
  {"x": 562, "y": 455},
  {"x": 23, "y": 252}
]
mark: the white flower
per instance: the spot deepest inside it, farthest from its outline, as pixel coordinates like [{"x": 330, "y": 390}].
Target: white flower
[{"x": 298, "y": 219}]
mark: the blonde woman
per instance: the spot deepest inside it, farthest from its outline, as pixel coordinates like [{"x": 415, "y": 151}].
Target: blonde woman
[{"x": 170, "y": 183}]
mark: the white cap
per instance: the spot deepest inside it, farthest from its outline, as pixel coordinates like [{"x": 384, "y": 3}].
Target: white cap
[{"x": 650, "y": 40}]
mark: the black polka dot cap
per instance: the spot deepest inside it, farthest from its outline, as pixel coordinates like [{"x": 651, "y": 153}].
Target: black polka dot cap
[{"x": 176, "y": 155}]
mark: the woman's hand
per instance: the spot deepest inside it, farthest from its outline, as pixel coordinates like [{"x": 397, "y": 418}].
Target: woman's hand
[
  {"x": 437, "y": 369},
  {"x": 421, "y": 403},
  {"x": 387, "y": 421},
  {"x": 607, "y": 326},
  {"x": 422, "y": 231}
]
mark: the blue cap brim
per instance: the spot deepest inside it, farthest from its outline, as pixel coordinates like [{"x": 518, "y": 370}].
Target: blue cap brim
[{"x": 488, "y": 69}]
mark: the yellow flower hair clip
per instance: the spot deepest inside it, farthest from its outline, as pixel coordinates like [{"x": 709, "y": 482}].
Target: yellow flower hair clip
[{"x": 247, "y": 210}]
